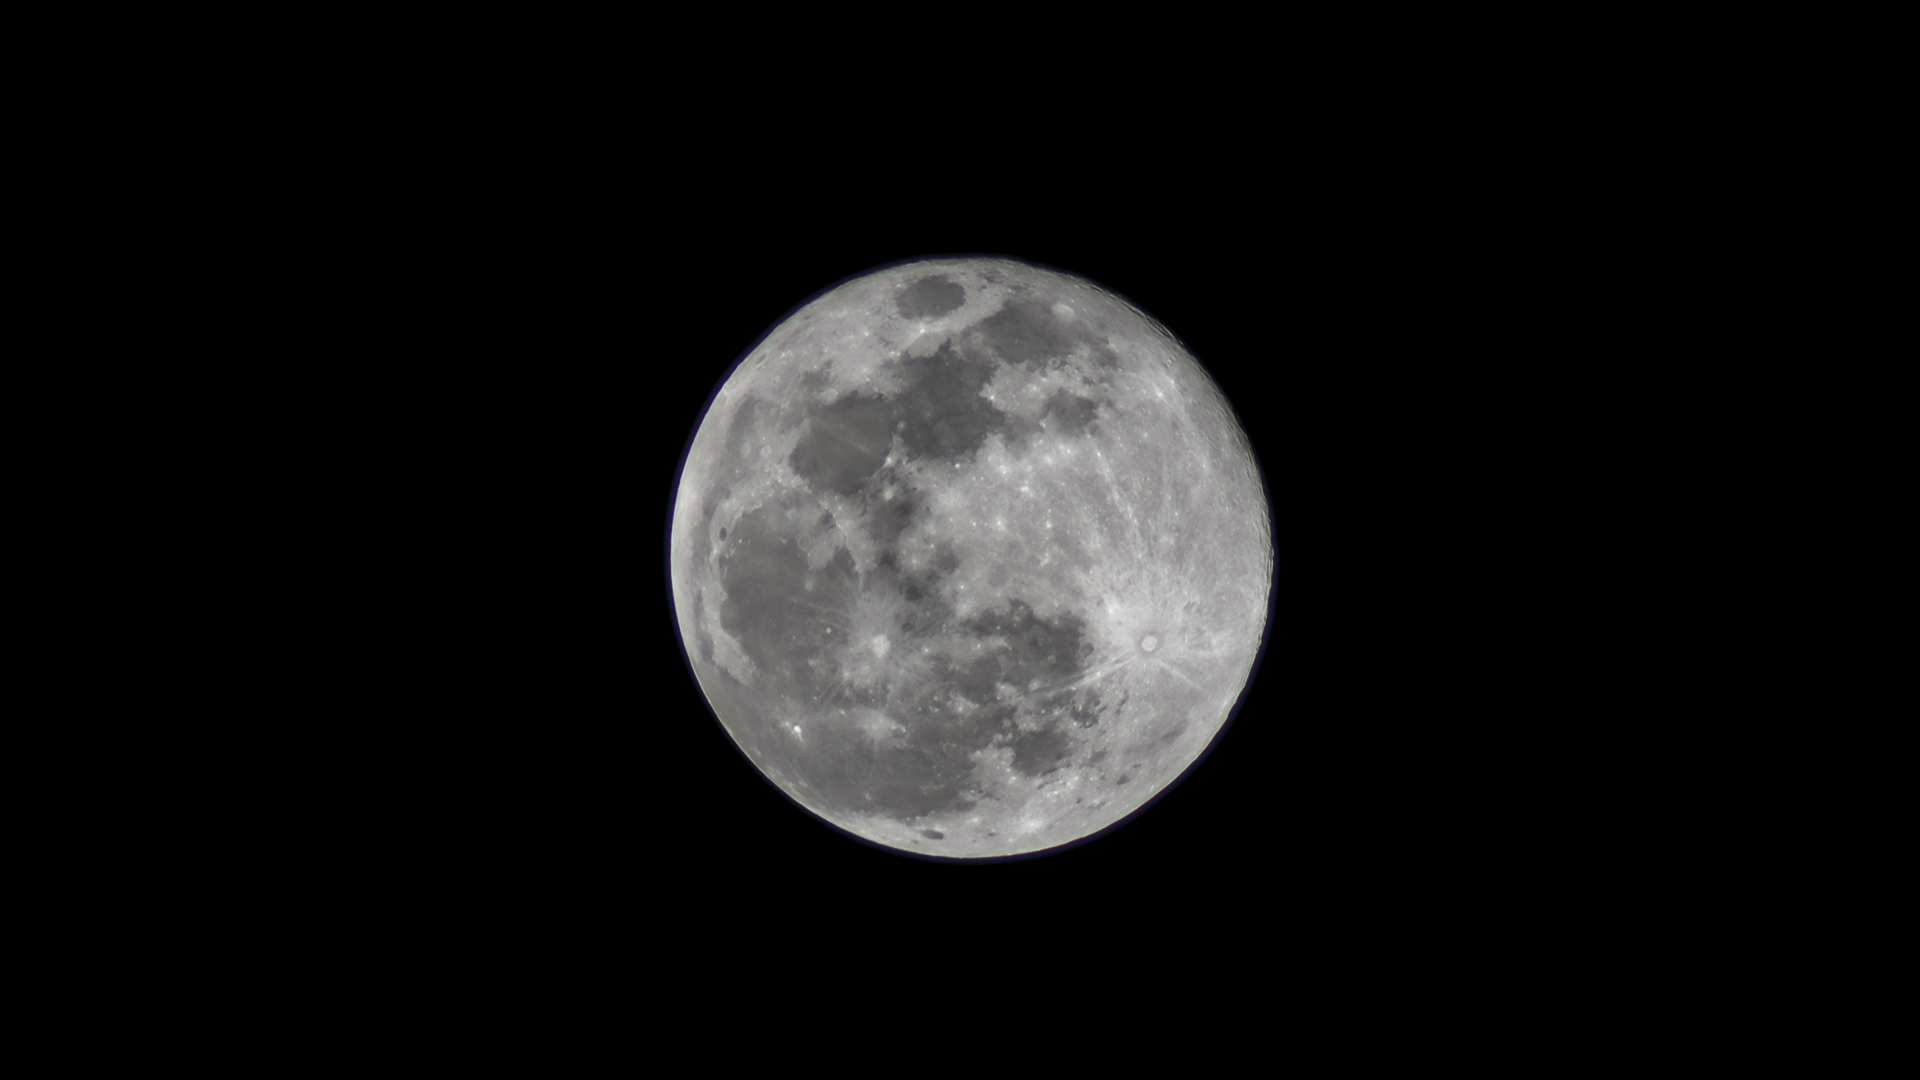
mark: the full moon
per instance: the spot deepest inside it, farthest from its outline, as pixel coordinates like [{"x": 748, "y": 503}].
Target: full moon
[{"x": 971, "y": 558}]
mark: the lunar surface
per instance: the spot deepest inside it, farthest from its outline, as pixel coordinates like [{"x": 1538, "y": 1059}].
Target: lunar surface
[{"x": 971, "y": 558}]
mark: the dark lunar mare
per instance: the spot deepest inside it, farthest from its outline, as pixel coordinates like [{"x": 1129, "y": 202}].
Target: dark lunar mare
[
  {"x": 940, "y": 410},
  {"x": 780, "y": 610},
  {"x": 931, "y": 297},
  {"x": 1071, "y": 414},
  {"x": 846, "y": 441},
  {"x": 1018, "y": 694},
  {"x": 1027, "y": 332},
  {"x": 958, "y": 710}
]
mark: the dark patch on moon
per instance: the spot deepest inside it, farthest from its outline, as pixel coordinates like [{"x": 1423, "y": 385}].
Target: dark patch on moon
[
  {"x": 845, "y": 443},
  {"x": 891, "y": 516},
  {"x": 932, "y": 834},
  {"x": 1178, "y": 730},
  {"x": 927, "y": 607},
  {"x": 944, "y": 560},
  {"x": 940, "y": 410},
  {"x": 723, "y": 534},
  {"x": 1081, "y": 704},
  {"x": 1123, "y": 780},
  {"x": 1024, "y": 332},
  {"x": 938, "y": 758},
  {"x": 931, "y": 297},
  {"x": 775, "y": 606},
  {"x": 1027, "y": 332},
  {"x": 1071, "y": 413},
  {"x": 1036, "y": 649},
  {"x": 945, "y": 717},
  {"x": 1037, "y": 752},
  {"x": 921, "y": 587},
  {"x": 975, "y": 682},
  {"x": 926, "y": 770},
  {"x": 928, "y": 610},
  {"x": 1087, "y": 714},
  {"x": 938, "y": 413}
]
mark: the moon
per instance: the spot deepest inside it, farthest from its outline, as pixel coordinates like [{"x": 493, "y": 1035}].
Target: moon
[{"x": 971, "y": 558}]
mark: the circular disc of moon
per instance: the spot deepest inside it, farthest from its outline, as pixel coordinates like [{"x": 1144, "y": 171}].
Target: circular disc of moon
[{"x": 971, "y": 558}]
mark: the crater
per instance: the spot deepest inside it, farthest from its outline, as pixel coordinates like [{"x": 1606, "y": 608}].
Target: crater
[
  {"x": 944, "y": 560},
  {"x": 933, "y": 834}
]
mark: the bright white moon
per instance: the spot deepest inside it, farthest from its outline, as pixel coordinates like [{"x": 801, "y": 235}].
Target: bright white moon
[{"x": 971, "y": 558}]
